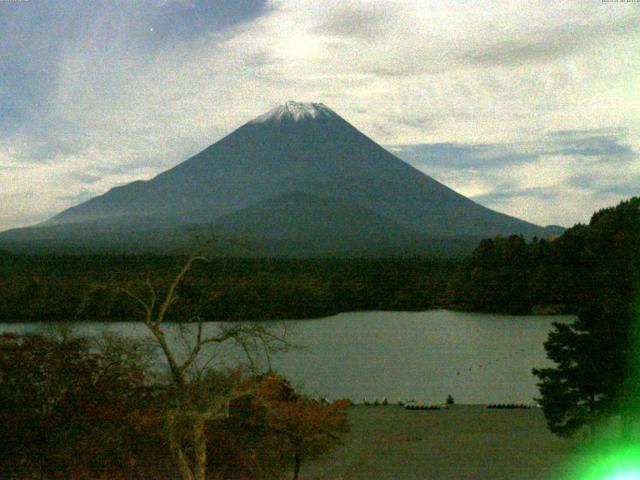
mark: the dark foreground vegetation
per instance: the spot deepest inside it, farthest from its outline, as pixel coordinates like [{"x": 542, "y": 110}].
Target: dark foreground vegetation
[{"x": 75, "y": 408}]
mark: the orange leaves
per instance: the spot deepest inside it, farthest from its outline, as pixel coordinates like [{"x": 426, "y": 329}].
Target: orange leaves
[
  {"x": 273, "y": 388},
  {"x": 96, "y": 416},
  {"x": 84, "y": 413},
  {"x": 305, "y": 427}
]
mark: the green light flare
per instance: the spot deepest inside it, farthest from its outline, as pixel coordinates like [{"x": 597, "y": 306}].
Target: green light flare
[
  {"x": 608, "y": 459},
  {"x": 626, "y": 476},
  {"x": 621, "y": 462}
]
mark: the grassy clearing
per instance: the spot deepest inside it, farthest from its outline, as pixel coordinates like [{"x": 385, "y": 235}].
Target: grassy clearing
[{"x": 462, "y": 442}]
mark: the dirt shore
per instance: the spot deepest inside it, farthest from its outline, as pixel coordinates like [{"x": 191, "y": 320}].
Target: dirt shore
[{"x": 461, "y": 442}]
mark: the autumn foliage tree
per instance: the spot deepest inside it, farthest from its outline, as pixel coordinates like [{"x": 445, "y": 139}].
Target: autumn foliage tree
[
  {"x": 303, "y": 428},
  {"x": 80, "y": 408},
  {"x": 67, "y": 410}
]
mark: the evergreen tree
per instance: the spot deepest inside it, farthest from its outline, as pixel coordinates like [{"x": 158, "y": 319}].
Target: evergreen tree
[{"x": 596, "y": 365}]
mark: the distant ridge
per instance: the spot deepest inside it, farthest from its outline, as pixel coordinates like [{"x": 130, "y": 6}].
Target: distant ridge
[{"x": 299, "y": 173}]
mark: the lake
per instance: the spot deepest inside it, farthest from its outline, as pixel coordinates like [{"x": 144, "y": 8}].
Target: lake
[{"x": 421, "y": 356}]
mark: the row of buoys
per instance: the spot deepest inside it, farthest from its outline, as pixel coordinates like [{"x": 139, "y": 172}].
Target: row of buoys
[
  {"x": 413, "y": 405},
  {"x": 408, "y": 404},
  {"x": 384, "y": 401},
  {"x": 509, "y": 405},
  {"x": 508, "y": 356},
  {"x": 424, "y": 407}
]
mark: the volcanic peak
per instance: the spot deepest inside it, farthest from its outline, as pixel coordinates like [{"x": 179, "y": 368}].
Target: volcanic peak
[{"x": 296, "y": 111}]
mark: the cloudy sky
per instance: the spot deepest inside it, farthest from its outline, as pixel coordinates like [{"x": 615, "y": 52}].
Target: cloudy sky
[{"x": 528, "y": 107}]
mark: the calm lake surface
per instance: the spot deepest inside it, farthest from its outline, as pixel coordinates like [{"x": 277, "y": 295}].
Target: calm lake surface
[{"x": 477, "y": 358}]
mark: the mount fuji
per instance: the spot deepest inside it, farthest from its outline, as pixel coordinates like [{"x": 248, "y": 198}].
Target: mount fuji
[{"x": 298, "y": 180}]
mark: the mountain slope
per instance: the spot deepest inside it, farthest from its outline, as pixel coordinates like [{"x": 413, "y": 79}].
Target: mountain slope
[
  {"x": 318, "y": 225},
  {"x": 304, "y": 148}
]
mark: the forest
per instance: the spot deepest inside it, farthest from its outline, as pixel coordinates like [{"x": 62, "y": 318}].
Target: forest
[
  {"x": 88, "y": 287},
  {"x": 502, "y": 275}
]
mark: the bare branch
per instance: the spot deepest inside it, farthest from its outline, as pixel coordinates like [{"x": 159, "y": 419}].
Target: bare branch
[
  {"x": 175, "y": 446},
  {"x": 196, "y": 401},
  {"x": 152, "y": 291},
  {"x": 199, "y": 337},
  {"x": 147, "y": 307},
  {"x": 170, "y": 297}
]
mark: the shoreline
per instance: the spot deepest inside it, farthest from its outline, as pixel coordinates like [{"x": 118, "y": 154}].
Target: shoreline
[{"x": 543, "y": 313}]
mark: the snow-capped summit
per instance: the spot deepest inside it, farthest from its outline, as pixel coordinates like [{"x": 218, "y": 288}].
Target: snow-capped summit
[{"x": 296, "y": 111}]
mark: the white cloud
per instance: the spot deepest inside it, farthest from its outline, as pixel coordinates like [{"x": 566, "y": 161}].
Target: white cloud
[{"x": 560, "y": 177}]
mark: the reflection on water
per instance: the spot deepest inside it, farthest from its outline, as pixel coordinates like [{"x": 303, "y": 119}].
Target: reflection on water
[{"x": 477, "y": 358}]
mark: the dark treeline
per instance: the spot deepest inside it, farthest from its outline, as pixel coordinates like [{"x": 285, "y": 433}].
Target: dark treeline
[
  {"x": 510, "y": 275},
  {"x": 502, "y": 275},
  {"x": 88, "y": 287}
]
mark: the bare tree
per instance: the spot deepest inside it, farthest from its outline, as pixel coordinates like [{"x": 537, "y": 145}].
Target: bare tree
[{"x": 194, "y": 403}]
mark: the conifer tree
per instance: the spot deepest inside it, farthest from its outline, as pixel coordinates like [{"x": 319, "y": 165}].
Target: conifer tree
[{"x": 596, "y": 362}]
